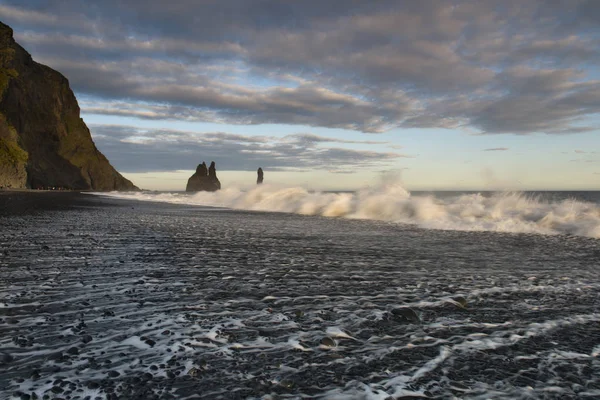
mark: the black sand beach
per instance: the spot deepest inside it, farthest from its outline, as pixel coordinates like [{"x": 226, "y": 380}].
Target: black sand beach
[
  {"x": 23, "y": 202},
  {"x": 117, "y": 299}
]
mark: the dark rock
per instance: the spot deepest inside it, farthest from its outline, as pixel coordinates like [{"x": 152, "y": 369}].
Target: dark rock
[
  {"x": 260, "y": 177},
  {"x": 5, "y": 358},
  {"x": 57, "y": 389},
  {"x": 44, "y": 143},
  {"x": 150, "y": 342},
  {"x": 405, "y": 315},
  {"x": 73, "y": 351},
  {"x": 461, "y": 302},
  {"x": 86, "y": 338},
  {"x": 212, "y": 174},
  {"x": 328, "y": 342},
  {"x": 113, "y": 374},
  {"x": 58, "y": 356},
  {"x": 93, "y": 385},
  {"x": 204, "y": 179}
]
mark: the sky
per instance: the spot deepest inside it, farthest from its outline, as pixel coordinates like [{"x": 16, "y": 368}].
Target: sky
[{"x": 332, "y": 95}]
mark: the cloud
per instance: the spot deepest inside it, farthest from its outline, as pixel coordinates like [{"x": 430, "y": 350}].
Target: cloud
[
  {"x": 489, "y": 67},
  {"x": 496, "y": 149},
  {"x": 309, "y": 140},
  {"x": 203, "y": 99},
  {"x": 133, "y": 149}
]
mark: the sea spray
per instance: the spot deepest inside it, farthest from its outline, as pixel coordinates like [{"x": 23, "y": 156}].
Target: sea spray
[{"x": 389, "y": 201}]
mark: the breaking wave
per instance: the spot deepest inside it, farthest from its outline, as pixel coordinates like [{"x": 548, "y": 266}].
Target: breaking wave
[{"x": 501, "y": 212}]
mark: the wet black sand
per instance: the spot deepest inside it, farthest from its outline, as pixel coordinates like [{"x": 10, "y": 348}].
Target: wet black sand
[
  {"x": 24, "y": 202},
  {"x": 104, "y": 298}
]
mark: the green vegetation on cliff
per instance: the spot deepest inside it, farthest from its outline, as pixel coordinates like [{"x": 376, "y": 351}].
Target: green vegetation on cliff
[
  {"x": 11, "y": 153},
  {"x": 74, "y": 146},
  {"x": 6, "y": 56},
  {"x": 13, "y": 159}
]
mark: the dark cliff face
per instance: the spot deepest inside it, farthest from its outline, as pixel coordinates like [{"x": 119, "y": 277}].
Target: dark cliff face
[{"x": 43, "y": 140}]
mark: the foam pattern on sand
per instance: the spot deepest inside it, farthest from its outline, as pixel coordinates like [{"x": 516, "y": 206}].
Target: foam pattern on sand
[{"x": 154, "y": 302}]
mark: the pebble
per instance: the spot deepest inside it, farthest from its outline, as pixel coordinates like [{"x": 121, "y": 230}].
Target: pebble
[
  {"x": 287, "y": 383},
  {"x": 56, "y": 356},
  {"x": 328, "y": 342},
  {"x": 86, "y": 338},
  {"x": 73, "y": 351},
  {"x": 462, "y": 302},
  {"x": 405, "y": 314},
  {"x": 57, "y": 389},
  {"x": 6, "y": 358}
]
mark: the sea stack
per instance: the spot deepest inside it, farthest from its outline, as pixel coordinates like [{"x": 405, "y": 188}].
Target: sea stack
[
  {"x": 204, "y": 179},
  {"x": 260, "y": 177},
  {"x": 44, "y": 143}
]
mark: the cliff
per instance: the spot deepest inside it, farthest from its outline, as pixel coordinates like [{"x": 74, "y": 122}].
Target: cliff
[{"x": 43, "y": 140}]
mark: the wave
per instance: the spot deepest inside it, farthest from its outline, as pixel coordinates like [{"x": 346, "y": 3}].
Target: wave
[{"x": 515, "y": 212}]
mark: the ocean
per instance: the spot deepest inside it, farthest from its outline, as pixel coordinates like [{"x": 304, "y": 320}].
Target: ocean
[{"x": 282, "y": 293}]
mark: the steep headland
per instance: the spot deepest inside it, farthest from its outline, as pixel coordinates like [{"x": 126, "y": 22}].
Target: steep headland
[{"x": 43, "y": 140}]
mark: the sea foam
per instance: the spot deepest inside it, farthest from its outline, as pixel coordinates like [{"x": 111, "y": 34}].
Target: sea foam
[{"x": 500, "y": 212}]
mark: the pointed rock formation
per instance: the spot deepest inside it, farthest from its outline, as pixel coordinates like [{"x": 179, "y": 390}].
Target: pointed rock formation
[
  {"x": 260, "y": 177},
  {"x": 43, "y": 141},
  {"x": 212, "y": 175},
  {"x": 204, "y": 180}
]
